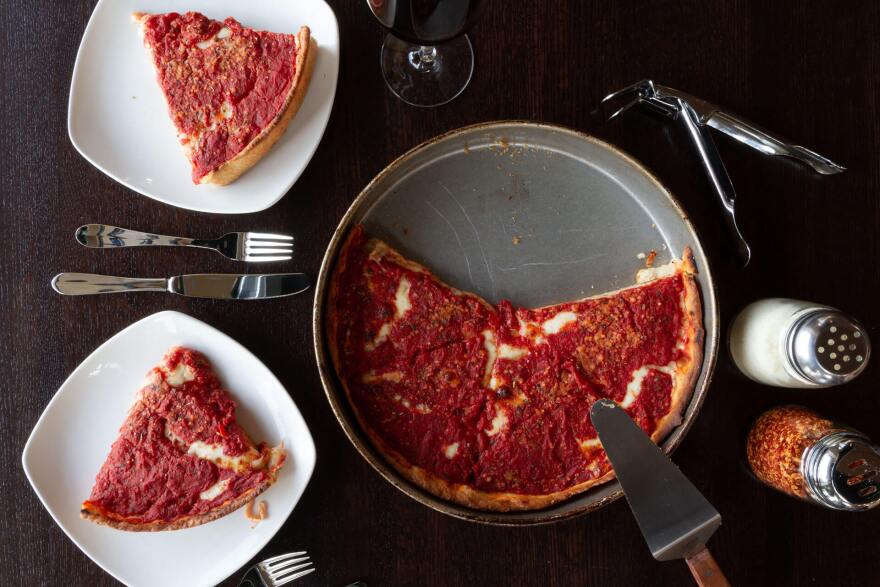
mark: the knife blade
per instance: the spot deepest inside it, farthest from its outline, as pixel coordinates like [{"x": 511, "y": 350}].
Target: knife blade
[
  {"x": 674, "y": 517},
  {"x": 220, "y": 286}
]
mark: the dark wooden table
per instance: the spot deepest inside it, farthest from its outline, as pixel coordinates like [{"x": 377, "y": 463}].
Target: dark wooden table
[{"x": 809, "y": 70}]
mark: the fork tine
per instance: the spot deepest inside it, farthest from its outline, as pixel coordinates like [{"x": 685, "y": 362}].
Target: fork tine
[
  {"x": 283, "y": 556},
  {"x": 287, "y": 580},
  {"x": 264, "y": 244},
  {"x": 266, "y": 258},
  {"x": 294, "y": 577},
  {"x": 251, "y": 251},
  {"x": 285, "y": 572},
  {"x": 264, "y": 235},
  {"x": 276, "y": 568}
]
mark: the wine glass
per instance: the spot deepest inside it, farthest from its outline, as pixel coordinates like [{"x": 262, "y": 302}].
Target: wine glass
[{"x": 426, "y": 59}]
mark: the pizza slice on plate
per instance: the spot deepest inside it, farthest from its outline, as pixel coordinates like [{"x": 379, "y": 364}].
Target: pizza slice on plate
[
  {"x": 488, "y": 406},
  {"x": 181, "y": 458},
  {"x": 231, "y": 90}
]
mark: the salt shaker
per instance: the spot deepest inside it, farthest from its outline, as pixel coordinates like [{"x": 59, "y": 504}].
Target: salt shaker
[
  {"x": 796, "y": 451},
  {"x": 792, "y": 343}
]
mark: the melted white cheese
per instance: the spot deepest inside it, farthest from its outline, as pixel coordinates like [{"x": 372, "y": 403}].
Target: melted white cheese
[
  {"x": 393, "y": 376},
  {"x": 495, "y": 352},
  {"x": 590, "y": 443},
  {"x": 401, "y": 298},
  {"x": 451, "y": 450},
  {"x": 381, "y": 337},
  {"x": 402, "y": 305},
  {"x": 634, "y": 387},
  {"x": 526, "y": 328},
  {"x": 420, "y": 407},
  {"x": 498, "y": 422},
  {"x": 226, "y": 109},
  {"x": 214, "y": 490},
  {"x": 221, "y": 34},
  {"x": 491, "y": 351},
  {"x": 215, "y": 454},
  {"x": 512, "y": 353},
  {"x": 180, "y": 375},
  {"x": 652, "y": 273},
  {"x": 558, "y": 322}
]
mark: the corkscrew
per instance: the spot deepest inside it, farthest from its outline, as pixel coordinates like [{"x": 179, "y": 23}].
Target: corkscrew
[{"x": 697, "y": 116}]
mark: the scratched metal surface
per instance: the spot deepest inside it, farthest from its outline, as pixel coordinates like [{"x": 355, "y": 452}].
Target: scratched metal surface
[{"x": 535, "y": 214}]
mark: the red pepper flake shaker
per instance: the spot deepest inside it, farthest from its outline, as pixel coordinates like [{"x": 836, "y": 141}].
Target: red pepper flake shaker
[{"x": 796, "y": 451}]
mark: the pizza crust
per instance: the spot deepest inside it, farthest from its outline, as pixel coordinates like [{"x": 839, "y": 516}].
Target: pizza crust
[
  {"x": 306, "y": 50},
  {"x": 333, "y": 298},
  {"x": 688, "y": 370},
  {"x": 95, "y": 515},
  {"x": 465, "y": 494},
  {"x": 686, "y": 373}
]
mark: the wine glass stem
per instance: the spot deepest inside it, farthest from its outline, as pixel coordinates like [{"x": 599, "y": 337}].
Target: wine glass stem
[{"x": 425, "y": 59}]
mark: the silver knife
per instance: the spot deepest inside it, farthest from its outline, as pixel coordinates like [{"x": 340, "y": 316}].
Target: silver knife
[
  {"x": 220, "y": 286},
  {"x": 674, "y": 517}
]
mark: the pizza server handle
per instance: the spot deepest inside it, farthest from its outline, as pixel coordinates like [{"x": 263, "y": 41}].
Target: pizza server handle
[{"x": 705, "y": 570}]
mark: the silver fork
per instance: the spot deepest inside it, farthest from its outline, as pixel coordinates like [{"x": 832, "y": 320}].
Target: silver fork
[
  {"x": 241, "y": 246},
  {"x": 278, "y": 570}
]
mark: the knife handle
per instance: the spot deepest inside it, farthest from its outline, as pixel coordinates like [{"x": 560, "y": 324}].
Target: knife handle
[
  {"x": 705, "y": 570},
  {"x": 78, "y": 284}
]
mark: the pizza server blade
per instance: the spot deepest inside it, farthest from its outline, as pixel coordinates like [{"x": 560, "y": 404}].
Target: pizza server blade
[{"x": 674, "y": 517}]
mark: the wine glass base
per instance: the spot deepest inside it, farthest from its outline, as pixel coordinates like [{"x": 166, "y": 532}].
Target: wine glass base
[{"x": 427, "y": 76}]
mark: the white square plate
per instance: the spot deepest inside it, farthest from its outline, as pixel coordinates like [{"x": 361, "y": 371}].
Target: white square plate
[
  {"x": 73, "y": 436},
  {"x": 118, "y": 119}
]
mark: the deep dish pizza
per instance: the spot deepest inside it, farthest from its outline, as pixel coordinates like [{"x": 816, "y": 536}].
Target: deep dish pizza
[
  {"x": 488, "y": 406},
  {"x": 231, "y": 91},
  {"x": 181, "y": 458}
]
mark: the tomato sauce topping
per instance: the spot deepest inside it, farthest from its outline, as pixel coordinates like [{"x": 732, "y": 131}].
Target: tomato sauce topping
[
  {"x": 499, "y": 397},
  {"x": 390, "y": 311},
  {"x": 224, "y": 83},
  {"x": 150, "y": 474}
]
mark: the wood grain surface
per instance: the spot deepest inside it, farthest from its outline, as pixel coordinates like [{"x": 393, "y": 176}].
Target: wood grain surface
[{"x": 808, "y": 69}]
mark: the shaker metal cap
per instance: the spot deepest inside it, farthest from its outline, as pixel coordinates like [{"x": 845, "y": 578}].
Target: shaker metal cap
[
  {"x": 842, "y": 470},
  {"x": 828, "y": 347}
]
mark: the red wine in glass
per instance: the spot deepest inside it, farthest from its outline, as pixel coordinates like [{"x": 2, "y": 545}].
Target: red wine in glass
[{"x": 427, "y": 60}]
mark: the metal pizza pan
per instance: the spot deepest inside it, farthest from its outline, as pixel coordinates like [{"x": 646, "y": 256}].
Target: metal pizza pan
[{"x": 534, "y": 213}]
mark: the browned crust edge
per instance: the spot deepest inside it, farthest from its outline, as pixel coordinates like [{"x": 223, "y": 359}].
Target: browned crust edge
[
  {"x": 688, "y": 370},
  {"x": 95, "y": 515},
  {"x": 466, "y": 495},
  {"x": 228, "y": 172},
  {"x": 332, "y": 326}
]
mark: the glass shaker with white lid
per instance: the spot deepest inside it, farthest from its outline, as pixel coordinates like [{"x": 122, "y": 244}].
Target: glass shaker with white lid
[{"x": 792, "y": 343}]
